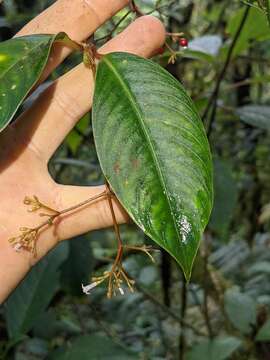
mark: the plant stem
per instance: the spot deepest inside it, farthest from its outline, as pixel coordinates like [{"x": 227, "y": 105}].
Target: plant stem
[
  {"x": 213, "y": 99},
  {"x": 109, "y": 35},
  {"x": 168, "y": 311},
  {"x": 135, "y": 8},
  {"x": 118, "y": 259},
  {"x": 182, "y": 339}
]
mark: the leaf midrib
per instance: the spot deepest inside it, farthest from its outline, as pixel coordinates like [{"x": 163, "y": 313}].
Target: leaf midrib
[
  {"x": 137, "y": 111},
  {"x": 17, "y": 62}
]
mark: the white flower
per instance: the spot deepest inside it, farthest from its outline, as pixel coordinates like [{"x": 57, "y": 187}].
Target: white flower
[
  {"x": 17, "y": 247},
  {"x": 86, "y": 289},
  {"x": 121, "y": 291}
]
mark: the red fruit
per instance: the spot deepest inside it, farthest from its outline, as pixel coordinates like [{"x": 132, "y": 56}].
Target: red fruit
[
  {"x": 183, "y": 42},
  {"x": 160, "y": 51}
]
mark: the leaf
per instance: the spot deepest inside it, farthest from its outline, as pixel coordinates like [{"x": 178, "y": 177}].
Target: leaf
[
  {"x": 255, "y": 115},
  {"x": 33, "y": 295},
  {"x": 93, "y": 347},
  {"x": 22, "y": 61},
  {"x": 76, "y": 270},
  {"x": 225, "y": 198},
  {"x": 264, "y": 332},
  {"x": 154, "y": 152},
  {"x": 218, "y": 349},
  {"x": 250, "y": 31},
  {"x": 195, "y": 55},
  {"x": 241, "y": 310}
]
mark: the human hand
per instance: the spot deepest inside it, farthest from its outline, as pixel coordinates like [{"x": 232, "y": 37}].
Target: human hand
[{"x": 28, "y": 144}]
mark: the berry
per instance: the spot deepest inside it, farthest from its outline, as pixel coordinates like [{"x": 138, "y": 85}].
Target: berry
[
  {"x": 161, "y": 51},
  {"x": 183, "y": 42}
]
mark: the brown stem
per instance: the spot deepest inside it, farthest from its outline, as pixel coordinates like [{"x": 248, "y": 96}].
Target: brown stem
[
  {"x": 118, "y": 259},
  {"x": 135, "y": 8}
]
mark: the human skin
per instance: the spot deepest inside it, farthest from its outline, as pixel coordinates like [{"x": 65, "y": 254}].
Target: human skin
[{"x": 27, "y": 145}]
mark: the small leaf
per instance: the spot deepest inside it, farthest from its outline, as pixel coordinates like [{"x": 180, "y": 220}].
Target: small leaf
[
  {"x": 93, "y": 347},
  {"x": 255, "y": 115},
  {"x": 217, "y": 349},
  {"x": 154, "y": 152},
  {"x": 22, "y": 61},
  {"x": 241, "y": 310},
  {"x": 264, "y": 332},
  {"x": 33, "y": 295}
]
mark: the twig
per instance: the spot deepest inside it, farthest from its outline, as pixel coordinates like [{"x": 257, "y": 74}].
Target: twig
[
  {"x": 182, "y": 339},
  {"x": 213, "y": 99},
  {"x": 109, "y": 35},
  {"x": 205, "y": 309},
  {"x": 135, "y": 8},
  {"x": 168, "y": 311}
]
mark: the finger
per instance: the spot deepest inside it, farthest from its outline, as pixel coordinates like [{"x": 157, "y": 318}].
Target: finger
[
  {"x": 58, "y": 109},
  {"x": 96, "y": 215},
  {"x": 78, "y": 18}
]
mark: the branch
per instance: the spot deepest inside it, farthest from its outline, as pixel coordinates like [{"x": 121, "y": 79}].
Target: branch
[
  {"x": 213, "y": 99},
  {"x": 168, "y": 311}
]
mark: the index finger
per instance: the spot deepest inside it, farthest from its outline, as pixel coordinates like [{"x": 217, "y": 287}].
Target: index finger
[{"x": 78, "y": 18}]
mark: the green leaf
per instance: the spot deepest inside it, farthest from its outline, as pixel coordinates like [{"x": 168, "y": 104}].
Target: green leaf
[
  {"x": 33, "y": 295},
  {"x": 250, "y": 31},
  {"x": 241, "y": 310},
  {"x": 95, "y": 348},
  {"x": 264, "y": 332},
  {"x": 225, "y": 198},
  {"x": 218, "y": 349},
  {"x": 22, "y": 61},
  {"x": 76, "y": 270},
  {"x": 196, "y": 55},
  {"x": 255, "y": 115},
  {"x": 154, "y": 152}
]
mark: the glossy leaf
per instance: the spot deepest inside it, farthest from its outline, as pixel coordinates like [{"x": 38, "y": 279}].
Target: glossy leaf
[
  {"x": 154, "y": 152},
  {"x": 22, "y": 61}
]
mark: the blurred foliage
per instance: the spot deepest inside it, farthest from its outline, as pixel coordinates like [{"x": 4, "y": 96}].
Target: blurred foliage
[{"x": 224, "y": 312}]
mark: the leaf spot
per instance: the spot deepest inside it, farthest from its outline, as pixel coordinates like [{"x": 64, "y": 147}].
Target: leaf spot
[
  {"x": 13, "y": 87},
  {"x": 3, "y": 94},
  {"x": 185, "y": 228},
  {"x": 116, "y": 168}
]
